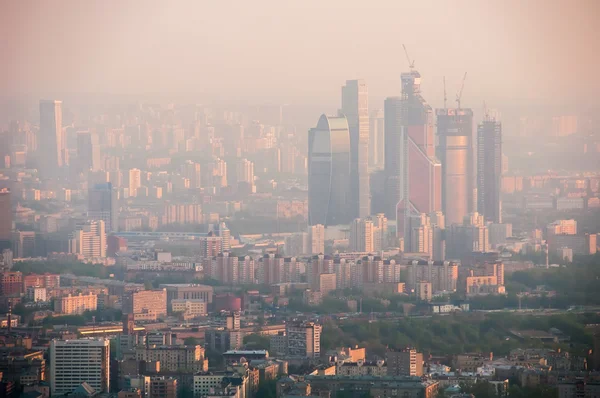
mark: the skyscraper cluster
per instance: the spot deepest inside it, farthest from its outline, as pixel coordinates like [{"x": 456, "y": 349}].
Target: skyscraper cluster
[{"x": 429, "y": 181}]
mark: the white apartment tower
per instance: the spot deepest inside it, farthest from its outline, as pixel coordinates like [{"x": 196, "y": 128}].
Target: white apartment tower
[
  {"x": 89, "y": 239},
  {"x": 316, "y": 234},
  {"x": 77, "y": 361},
  {"x": 135, "y": 181}
]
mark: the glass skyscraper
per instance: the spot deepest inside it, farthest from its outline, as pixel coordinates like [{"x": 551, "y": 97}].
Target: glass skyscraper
[{"x": 329, "y": 172}]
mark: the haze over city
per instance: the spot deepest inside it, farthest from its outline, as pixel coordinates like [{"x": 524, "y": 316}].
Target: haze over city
[
  {"x": 534, "y": 52},
  {"x": 282, "y": 199}
]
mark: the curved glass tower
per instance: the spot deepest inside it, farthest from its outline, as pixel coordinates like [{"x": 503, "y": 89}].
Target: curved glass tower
[{"x": 329, "y": 172}]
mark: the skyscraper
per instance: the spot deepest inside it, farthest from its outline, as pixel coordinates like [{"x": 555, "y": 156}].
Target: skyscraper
[
  {"x": 489, "y": 169},
  {"x": 355, "y": 106},
  {"x": 52, "y": 138},
  {"x": 78, "y": 361},
  {"x": 376, "y": 138},
  {"x": 88, "y": 151},
  {"x": 5, "y": 219},
  {"x": 316, "y": 239},
  {"x": 135, "y": 181},
  {"x": 103, "y": 205},
  {"x": 394, "y": 155},
  {"x": 362, "y": 235},
  {"x": 455, "y": 131},
  {"x": 412, "y": 170},
  {"x": 329, "y": 172}
]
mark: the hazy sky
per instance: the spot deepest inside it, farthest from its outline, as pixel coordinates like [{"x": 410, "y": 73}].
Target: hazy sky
[{"x": 302, "y": 51}]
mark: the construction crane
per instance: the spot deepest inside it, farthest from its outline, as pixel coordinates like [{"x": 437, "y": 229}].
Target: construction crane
[
  {"x": 486, "y": 115},
  {"x": 445, "y": 97},
  {"x": 411, "y": 64},
  {"x": 459, "y": 95}
]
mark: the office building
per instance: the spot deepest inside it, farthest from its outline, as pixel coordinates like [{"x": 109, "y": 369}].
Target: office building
[
  {"x": 412, "y": 172},
  {"x": 329, "y": 172},
  {"x": 455, "y": 133},
  {"x": 406, "y": 362},
  {"x": 89, "y": 240},
  {"x": 23, "y": 244},
  {"x": 75, "y": 305},
  {"x": 5, "y": 219},
  {"x": 186, "y": 291},
  {"x": 303, "y": 339},
  {"x": 52, "y": 142},
  {"x": 355, "y": 106},
  {"x": 376, "y": 139},
  {"x": 146, "y": 304},
  {"x": 489, "y": 169},
  {"x": 103, "y": 205},
  {"x": 79, "y": 361},
  {"x": 88, "y": 151}
]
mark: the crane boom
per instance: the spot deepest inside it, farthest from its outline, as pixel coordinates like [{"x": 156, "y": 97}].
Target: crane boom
[
  {"x": 411, "y": 64},
  {"x": 459, "y": 95}
]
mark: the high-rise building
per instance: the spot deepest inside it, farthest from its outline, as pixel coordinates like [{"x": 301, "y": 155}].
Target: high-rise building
[
  {"x": 489, "y": 169},
  {"x": 455, "y": 135},
  {"x": 329, "y": 172},
  {"x": 103, "y": 205},
  {"x": 135, "y": 181},
  {"x": 376, "y": 139},
  {"x": 319, "y": 264},
  {"x": 11, "y": 283},
  {"x": 53, "y": 154},
  {"x": 394, "y": 157},
  {"x": 370, "y": 270},
  {"x": 78, "y": 361},
  {"x": 192, "y": 171},
  {"x": 89, "y": 239},
  {"x": 5, "y": 219},
  {"x": 362, "y": 235},
  {"x": 412, "y": 171},
  {"x": 24, "y": 244},
  {"x": 88, "y": 151},
  {"x": 355, "y": 106},
  {"x": 442, "y": 275},
  {"x": 407, "y": 362},
  {"x": 316, "y": 238},
  {"x": 304, "y": 339}
]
